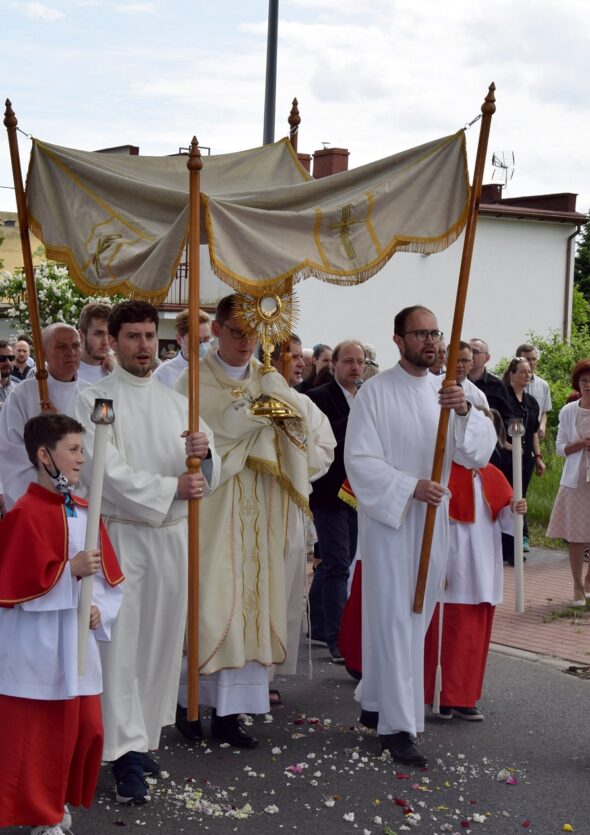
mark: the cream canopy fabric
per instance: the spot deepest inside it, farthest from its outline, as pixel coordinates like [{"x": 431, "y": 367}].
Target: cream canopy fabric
[{"x": 120, "y": 222}]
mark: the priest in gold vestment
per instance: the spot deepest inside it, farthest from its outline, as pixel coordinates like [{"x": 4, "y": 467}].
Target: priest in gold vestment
[{"x": 245, "y": 524}]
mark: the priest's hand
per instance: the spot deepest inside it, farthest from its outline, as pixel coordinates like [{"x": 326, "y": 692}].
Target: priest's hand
[
  {"x": 453, "y": 397},
  {"x": 196, "y": 444},
  {"x": 519, "y": 506},
  {"x": 429, "y": 491},
  {"x": 94, "y": 617},
  {"x": 85, "y": 563},
  {"x": 191, "y": 486}
]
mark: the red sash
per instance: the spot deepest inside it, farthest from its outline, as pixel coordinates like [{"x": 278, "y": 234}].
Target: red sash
[
  {"x": 497, "y": 492},
  {"x": 34, "y": 546}
]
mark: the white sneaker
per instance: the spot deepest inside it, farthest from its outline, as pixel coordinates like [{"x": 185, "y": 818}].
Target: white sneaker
[
  {"x": 47, "y": 830},
  {"x": 66, "y": 821}
]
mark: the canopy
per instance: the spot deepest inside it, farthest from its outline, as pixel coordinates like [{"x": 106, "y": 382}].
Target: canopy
[{"x": 120, "y": 222}]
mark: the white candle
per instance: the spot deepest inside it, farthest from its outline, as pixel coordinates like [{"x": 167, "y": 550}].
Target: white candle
[
  {"x": 102, "y": 417},
  {"x": 518, "y": 523}
]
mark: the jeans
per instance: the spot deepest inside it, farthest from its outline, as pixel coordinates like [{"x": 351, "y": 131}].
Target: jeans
[{"x": 337, "y": 534}]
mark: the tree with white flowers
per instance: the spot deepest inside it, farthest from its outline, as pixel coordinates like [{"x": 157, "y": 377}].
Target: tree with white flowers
[{"x": 58, "y": 297}]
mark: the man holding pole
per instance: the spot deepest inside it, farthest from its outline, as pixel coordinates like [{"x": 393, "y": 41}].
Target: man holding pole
[
  {"x": 388, "y": 455},
  {"x": 61, "y": 344},
  {"x": 248, "y": 523},
  {"x": 144, "y": 506}
]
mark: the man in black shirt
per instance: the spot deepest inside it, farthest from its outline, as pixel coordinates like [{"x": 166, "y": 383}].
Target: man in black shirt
[{"x": 492, "y": 386}]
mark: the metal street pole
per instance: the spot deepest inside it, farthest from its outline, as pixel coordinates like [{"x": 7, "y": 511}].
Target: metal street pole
[{"x": 271, "y": 73}]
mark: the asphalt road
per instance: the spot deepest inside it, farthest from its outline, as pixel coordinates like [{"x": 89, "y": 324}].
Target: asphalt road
[{"x": 526, "y": 767}]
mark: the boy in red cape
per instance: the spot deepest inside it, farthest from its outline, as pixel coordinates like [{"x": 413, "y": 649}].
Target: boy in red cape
[{"x": 50, "y": 718}]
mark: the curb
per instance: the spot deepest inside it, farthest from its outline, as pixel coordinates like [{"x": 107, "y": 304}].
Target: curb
[{"x": 546, "y": 660}]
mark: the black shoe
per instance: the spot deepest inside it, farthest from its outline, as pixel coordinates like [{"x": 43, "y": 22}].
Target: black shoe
[
  {"x": 369, "y": 718},
  {"x": 228, "y": 729},
  {"x": 189, "y": 729},
  {"x": 151, "y": 768},
  {"x": 129, "y": 778},
  {"x": 472, "y": 714},
  {"x": 402, "y": 749},
  {"x": 445, "y": 712},
  {"x": 335, "y": 656}
]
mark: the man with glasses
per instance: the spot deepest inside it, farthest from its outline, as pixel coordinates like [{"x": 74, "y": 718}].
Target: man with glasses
[
  {"x": 464, "y": 365},
  {"x": 335, "y": 521},
  {"x": 169, "y": 372},
  {"x": 388, "y": 455},
  {"x": 245, "y": 526},
  {"x": 7, "y": 382},
  {"x": 492, "y": 386}
]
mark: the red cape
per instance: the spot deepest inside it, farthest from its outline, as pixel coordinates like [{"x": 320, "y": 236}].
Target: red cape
[
  {"x": 497, "y": 492},
  {"x": 34, "y": 545}
]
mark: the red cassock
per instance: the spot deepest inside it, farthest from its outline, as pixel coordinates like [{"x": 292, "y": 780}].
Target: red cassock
[
  {"x": 50, "y": 750},
  {"x": 467, "y": 627}
]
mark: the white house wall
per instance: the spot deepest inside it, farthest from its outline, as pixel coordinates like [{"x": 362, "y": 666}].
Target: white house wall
[{"x": 517, "y": 285}]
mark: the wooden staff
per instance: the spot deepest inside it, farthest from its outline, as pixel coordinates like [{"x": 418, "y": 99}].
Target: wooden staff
[
  {"x": 488, "y": 109},
  {"x": 10, "y": 123},
  {"x": 194, "y": 165}
]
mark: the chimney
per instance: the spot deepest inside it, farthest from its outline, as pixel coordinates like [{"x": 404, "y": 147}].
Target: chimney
[
  {"x": 491, "y": 193},
  {"x": 305, "y": 160},
  {"x": 330, "y": 161}
]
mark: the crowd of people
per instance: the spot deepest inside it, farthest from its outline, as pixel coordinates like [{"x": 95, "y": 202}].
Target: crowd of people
[{"x": 345, "y": 471}]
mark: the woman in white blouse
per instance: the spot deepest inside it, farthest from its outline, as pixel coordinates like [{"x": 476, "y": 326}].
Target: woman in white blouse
[{"x": 570, "y": 517}]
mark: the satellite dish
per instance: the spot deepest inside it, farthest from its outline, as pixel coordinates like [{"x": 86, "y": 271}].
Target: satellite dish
[{"x": 503, "y": 162}]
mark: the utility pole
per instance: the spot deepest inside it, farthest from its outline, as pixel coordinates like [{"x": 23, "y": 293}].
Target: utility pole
[{"x": 271, "y": 73}]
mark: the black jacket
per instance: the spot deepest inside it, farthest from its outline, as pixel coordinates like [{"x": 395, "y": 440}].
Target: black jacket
[{"x": 330, "y": 399}]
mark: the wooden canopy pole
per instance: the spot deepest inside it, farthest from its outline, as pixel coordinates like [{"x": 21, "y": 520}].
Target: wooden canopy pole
[
  {"x": 488, "y": 108},
  {"x": 194, "y": 165},
  {"x": 10, "y": 123}
]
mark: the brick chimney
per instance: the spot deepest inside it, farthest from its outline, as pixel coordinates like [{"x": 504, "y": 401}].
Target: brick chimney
[
  {"x": 330, "y": 161},
  {"x": 305, "y": 160},
  {"x": 491, "y": 193}
]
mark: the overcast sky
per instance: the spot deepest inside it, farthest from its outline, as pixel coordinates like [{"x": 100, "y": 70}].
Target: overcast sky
[{"x": 375, "y": 77}]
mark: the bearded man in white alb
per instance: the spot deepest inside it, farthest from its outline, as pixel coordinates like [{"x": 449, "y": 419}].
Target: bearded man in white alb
[
  {"x": 144, "y": 506},
  {"x": 388, "y": 456}
]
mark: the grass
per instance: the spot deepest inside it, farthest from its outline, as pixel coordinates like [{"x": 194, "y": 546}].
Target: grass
[
  {"x": 541, "y": 498},
  {"x": 573, "y": 613}
]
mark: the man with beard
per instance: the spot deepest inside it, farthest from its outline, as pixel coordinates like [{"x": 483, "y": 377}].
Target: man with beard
[
  {"x": 7, "y": 382},
  {"x": 144, "y": 504},
  {"x": 388, "y": 456},
  {"x": 96, "y": 359}
]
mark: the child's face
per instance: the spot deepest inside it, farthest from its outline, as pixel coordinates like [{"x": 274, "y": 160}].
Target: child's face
[{"x": 69, "y": 456}]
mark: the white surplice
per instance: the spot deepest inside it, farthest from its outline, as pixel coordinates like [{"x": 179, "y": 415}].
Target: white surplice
[
  {"x": 147, "y": 525},
  {"x": 39, "y": 638},
  {"x": 389, "y": 446},
  {"x": 169, "y": 372},
  {"x": 16, "y": 470},
  {"x": 92, "y": 373}
]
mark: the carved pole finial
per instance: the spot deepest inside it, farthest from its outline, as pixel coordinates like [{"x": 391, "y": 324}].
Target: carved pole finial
[
  {"x": 489, "y": 105},
  {"x": 294, "y": 122},
  {"x": 195, "y": 161},
  {"x": 10, "y": 120}
]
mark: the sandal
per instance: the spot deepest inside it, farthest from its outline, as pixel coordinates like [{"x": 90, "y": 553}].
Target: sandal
[{"x": 275, "y": 698}]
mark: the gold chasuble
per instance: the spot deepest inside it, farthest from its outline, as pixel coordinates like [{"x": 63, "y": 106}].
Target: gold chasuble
[{"x": 265, "y": 466}]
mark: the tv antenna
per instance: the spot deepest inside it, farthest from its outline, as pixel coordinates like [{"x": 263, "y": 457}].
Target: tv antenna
[{"x": 503, "y": 162}]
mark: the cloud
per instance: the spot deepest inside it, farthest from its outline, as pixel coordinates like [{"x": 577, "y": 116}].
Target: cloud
[
  {"x": 37, "y": 11},
  {"x": 137, "y": 8}
]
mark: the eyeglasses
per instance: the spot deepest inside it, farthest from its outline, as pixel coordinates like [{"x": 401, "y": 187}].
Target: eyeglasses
[
  {"x": 7, "y": 358},
  {"x": 236, "y": 333},
  {"x": 464, "y": 361},
  {"x": 422, "y": 335}
]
